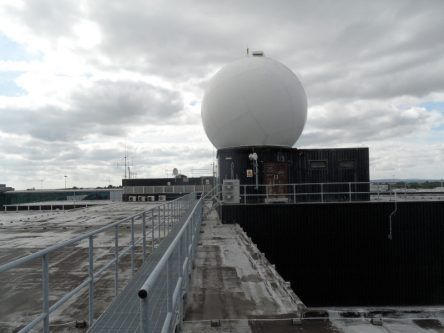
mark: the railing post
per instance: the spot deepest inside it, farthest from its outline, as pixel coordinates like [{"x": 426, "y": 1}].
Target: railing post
[
  {"x": 245, "y": 194},
  {"x": 182, "y": 257},
  {"x": 158, "y": 220},
  {"x": 45, "y": 292},
  {"x": 152, "y": 231},
  {"x": 322, "y": 192},
  {"x": 168, "y": 287},
  {"x": 164, "y": 221},
  {"x": 91, "y": 281},
  {"x": 181, "y": 241},
  {"x": 116, "y": 253},
  {"x": 144, "y": 235},
  {"x": 349, "y": 192},
  {"x": 170, "y": 220},
  {"x": 294, "y": 193},
  {"x": 132, "y": 247},
  {"x": 144, "y": 308},
  {"x": 190, "y": 238}
]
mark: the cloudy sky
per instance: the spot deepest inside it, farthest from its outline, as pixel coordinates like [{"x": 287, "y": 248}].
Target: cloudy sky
[{"x": 80, "y": 80}]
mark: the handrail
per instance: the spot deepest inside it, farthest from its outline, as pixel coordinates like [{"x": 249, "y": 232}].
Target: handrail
[
  {"x": 174, "y": 209},
  {"x": 74, "y": 240},
  {"x": 320, "y": 192},
  {"x": 175, "y": 289},
  {"x": 162, "y": 262},
  {"x": 149, "y": 282}
]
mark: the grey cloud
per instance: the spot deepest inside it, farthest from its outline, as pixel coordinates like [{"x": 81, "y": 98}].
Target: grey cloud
[
  {"x": 358, "y": 122},
  {"x": 48, "y": 18},
  {"x": 126, "y": 102},
  {"x": 366, "y": 49},
  {"x": 108, "y": 108}
]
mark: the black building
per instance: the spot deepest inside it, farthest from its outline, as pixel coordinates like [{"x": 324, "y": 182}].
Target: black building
[
  {"x": 298, "y": 174},
  {"x": 144, "y": 189}
]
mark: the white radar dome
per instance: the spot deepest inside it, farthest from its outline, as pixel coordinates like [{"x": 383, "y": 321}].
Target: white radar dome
[{"x": 254, "y": 101}]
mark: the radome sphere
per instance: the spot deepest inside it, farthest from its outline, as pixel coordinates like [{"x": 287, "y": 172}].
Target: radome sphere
[{"x": 254, "y": 101}]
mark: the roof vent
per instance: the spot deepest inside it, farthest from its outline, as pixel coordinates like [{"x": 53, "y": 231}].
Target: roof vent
[{"x": 258, "y": 53}]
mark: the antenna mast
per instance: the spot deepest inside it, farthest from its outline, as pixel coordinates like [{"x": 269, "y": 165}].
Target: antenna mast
[{"x": 125, "y": 157}]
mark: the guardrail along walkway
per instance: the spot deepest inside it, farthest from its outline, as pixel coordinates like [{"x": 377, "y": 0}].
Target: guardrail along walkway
[{"x": 152, "y": 300}]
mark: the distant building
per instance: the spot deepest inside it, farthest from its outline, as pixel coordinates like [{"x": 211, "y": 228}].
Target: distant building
[
  {"x": 4, "y": 188},
  {"x": 20, "y": 197},
  {"x": 153, "y": 189}
]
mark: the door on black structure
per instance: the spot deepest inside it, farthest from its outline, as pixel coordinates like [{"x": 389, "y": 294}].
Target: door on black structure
[{"x": 274, "y": 175}]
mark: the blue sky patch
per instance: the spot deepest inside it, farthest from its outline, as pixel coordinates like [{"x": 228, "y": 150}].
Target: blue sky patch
[
  {"x": 8, "y": 87},
  {"x": 439, "y": 106},
  {"x": 10, "y": 50}
]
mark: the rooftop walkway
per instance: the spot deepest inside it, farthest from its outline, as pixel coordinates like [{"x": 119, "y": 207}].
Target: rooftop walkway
[
  {"x": 232, "y": 280},
  {"x": 123, "y": 313}
]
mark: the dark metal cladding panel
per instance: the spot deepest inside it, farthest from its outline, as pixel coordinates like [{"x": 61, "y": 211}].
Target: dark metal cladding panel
[
  {"x": 340, "y": 254},
  {"x": 165, "y": 181}
]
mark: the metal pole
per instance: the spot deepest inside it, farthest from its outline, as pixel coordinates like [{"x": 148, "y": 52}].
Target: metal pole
[
  {"x": 168, "y": 287},
  {"x": 144, "y": 324},
  {"x": 91, "y": 281},
  {"x": 116, "y": 253},
  {"x": 144, "y": 235},
  {"x": 322, "y": 192},
  {"x": 294, "y": 193},
  {"x": 158, "y": 220},
  {"x": 164, "y": 224},
  {"x": 152, "y": 231},
  {"x": 132, "y": 247},
  {"x": 170, "y": 221},
  {"x": 45, "y": 292},
  {"x": 349, "y": 192},
  {"x": 190, "y": 239}
]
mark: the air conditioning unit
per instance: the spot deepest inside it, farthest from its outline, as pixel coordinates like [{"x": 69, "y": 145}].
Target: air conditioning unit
[
  {"x": 151, "y": 198},
  {"x": 141, "y": 198},
  {"x": 231, "y": 191},
  {"x": 132, "y": 198},
  {"x": 162, "y": 197}
]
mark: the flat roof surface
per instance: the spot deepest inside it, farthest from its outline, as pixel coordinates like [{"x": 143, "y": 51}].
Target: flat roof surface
[
  {"x": 68, "y": 190},
  {"x": 62, "y": 202},
  {"x": 26, "y": 232},
  {"x": 232, "y": 279}
]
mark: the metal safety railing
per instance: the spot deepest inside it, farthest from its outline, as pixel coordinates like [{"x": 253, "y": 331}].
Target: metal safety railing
[
  {"x": 153, "y": 224},
  {"x": 305, "y": 192},
  {"x": 166, "y": 189},
  {"x": 324, "y": 192},
  {"x": 161, "y": 295}
]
